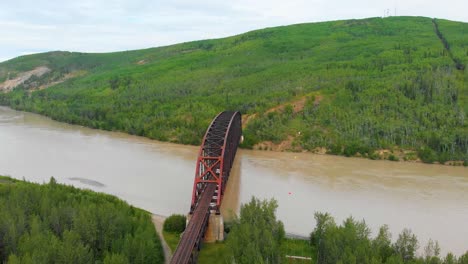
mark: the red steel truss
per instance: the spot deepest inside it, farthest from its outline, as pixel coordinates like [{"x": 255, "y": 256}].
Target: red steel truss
[
  {"x": 214, "y": 163},
  {"x": 216, "y": 156}
]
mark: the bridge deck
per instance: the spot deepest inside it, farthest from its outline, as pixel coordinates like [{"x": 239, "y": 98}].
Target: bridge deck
[{"x": 190, "y": 242}]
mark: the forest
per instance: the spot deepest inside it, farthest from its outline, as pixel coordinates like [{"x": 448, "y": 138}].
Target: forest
[
  {"x": 256, "y": 236},
  {"x": 383, "y": 88},
  {"x": 55, "y": 223}
]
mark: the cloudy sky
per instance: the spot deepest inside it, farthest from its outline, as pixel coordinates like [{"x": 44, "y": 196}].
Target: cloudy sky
[{"x": 31, "y": 26}]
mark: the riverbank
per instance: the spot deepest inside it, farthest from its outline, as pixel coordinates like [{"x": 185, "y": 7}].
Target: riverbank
[
  {"x": 391, "y": 155},
  {"x": 394, "y": 155}
]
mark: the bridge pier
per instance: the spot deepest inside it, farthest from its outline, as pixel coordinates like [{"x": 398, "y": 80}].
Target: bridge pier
[{"x": 215, "y": 230}]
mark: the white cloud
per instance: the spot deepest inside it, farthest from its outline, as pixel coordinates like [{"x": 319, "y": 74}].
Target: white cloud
[{"x": 99, "y": 26}]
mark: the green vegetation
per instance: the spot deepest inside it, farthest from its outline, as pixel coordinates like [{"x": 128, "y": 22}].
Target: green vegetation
[
  {"x": 353, "y": 87},
  {"x": 393, "y": 157},
  {"x": 256, "y": 235},
  {"x": 173, "y": 227},
  {"x": 297, "y": 247},
  {"x": 213, "y": 253},
  {"x": 175, "y": 223},
  {"x": 172, "y": 239},
  {"x": 329, "y": 243},
  {"x": 54, "y": 223},
  {"x": 351, "y": 243}
]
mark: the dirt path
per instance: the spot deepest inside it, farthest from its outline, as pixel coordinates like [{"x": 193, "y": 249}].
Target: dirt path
[{"x": 158, "y": 221}]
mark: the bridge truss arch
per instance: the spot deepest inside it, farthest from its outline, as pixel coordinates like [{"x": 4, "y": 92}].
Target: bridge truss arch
[
  {"x": 216, "y": 157},
  {"x": 214, "y": 162}
]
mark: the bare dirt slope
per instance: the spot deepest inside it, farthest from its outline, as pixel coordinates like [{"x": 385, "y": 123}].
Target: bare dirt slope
[{"x": 9, "y": 85}]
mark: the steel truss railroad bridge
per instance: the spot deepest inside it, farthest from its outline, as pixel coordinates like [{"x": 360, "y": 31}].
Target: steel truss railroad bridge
[{"x": 214, "y": 163}]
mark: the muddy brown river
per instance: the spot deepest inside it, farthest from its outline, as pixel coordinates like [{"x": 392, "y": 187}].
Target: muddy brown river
[{"x": 431, "y": 200}]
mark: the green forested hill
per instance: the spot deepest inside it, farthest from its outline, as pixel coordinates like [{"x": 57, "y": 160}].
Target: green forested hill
[
  {"x": 354, "y": 87},
  {"x": 54, "y": 223}
]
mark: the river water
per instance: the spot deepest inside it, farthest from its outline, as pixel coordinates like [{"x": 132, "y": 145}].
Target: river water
[{"x": 431, "y": 200}]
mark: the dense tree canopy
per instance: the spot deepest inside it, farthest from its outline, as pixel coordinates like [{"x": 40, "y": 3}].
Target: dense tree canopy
[
  {"x": 54, "y": 223},
  {"x": 351, "y": 243},
  {"x": 256, "y": 235}
]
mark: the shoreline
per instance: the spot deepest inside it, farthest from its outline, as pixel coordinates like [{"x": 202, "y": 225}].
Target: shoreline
[{"x": 457, "y": 163}]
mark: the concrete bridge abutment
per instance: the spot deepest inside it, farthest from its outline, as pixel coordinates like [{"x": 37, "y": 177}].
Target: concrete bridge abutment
[{"x": 215, "y": 230}]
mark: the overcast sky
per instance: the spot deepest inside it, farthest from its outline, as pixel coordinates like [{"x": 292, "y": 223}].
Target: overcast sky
[{"x": 31, "y": 26}]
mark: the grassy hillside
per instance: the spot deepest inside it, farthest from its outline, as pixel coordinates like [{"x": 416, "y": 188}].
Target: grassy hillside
[
  {"x": 54, "y": 223},
  {"x": 365, "y": 87}
]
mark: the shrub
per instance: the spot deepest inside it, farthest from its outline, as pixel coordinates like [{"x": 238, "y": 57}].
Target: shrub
[
  {"x": 443, "y": 157},
  {"x": 427, "y": 155},
  {"x": 351, "y": 149},
  {"x": 374, "y": 156},
  {"x": 175, "y": 223},
  {"x": 410, "y": 156},
  {"x": 335, "y": 149}
]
